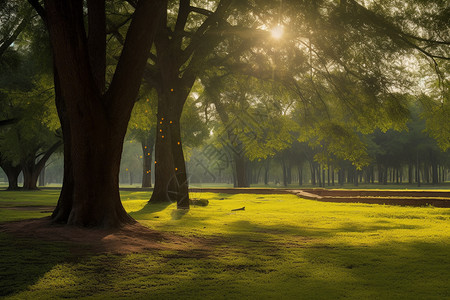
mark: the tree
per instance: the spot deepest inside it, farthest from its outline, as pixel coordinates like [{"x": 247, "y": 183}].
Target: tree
[
  {"x": 94, "y": 118},
  {"x": 185, "y": 36},
  {"x": 31, "y": 141},
  {"x": 25, "y": 97},
  {"x": 15, "y": 16},
  {"x": 142, "y": 127},
  {"x": 254, "y": 123}
]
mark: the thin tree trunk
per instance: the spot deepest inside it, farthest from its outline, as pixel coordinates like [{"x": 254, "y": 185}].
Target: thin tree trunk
[
  {"x": 300, "y": 174},
  {"x": 288, "y": 174},
  {"x": 313, "y": 173},
  {"x": 266, "y": 172},
  {"x": 332, "y": 175},
  {"x": 283, "y": 167},
  {"x": 147, "y": 160},
  {"x": 171, "y": 182}
]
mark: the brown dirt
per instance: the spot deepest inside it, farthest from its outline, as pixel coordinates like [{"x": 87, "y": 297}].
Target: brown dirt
[
  {"x": 397, "y": 197},
  {"x": 31, "y": 207},
  {"x": 133, "y": 238}
]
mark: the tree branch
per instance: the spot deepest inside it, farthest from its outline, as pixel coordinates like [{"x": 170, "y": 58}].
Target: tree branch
[
  {"x": 183, "y": 13},
  {"x": 39, "y": 9},
  {"x": 97, "y": 41},
  {"x": 5, "y": 45},
  {"x": 200, "y": 33},
  {"x": 201, "y": 11},
  {"x": 130, "y": 68}
]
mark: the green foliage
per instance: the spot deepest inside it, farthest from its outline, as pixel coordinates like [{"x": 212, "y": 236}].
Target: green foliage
[
  {"x": 336, "y": 141},
  {"x": 37, "y": 120},
  {"x": 142, "y": 123},
  {"x": 437, "y": 115},
  {"x": 251, "y": 115},
  {"x": 194, "y": 129}
]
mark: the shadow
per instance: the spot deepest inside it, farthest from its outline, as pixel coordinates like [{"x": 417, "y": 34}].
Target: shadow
[
  {"x": 148, "y": 209},
  {"x": 251, "y": 262},
  {"x": 248, "y": 261},
  {"x": 24, "y": 261},
  {"x": 177, "y": 214}
]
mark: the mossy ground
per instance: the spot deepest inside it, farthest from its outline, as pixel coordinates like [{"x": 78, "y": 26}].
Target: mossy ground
[{"x": 279, "y": 247}]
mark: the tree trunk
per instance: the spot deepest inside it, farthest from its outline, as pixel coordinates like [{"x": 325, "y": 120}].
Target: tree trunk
[
  {"x": 319, "y": 175},
  {"x": 434, "y": 173},
  {"x": 266, "y": 172},
  {"x": 300, "y": 174},
  {"x": 147, "y": 160},
  {"x": 328, "y": 175},
  {"x": 284, "y": 169},
  {"x": 31, "y": 169},
  {"x": 12, "y": 172},
  {"x": 288, "y": 174},
  {"x": 240, "y": 166},
  {"x": 410, "y": 173},
  {"x": 42, "y": 177},
  {"x": 171, "y": 181},
  {"x": 30, "y": 176},
  {"x": 332, "y": 175},
  {"x": 65, "y": 201},
  {"x": 418, "y": 170},
  {"x": 94, "y": 122},
  {"x": 258, "y": 175},
  {"x": 312, "y": 168}
]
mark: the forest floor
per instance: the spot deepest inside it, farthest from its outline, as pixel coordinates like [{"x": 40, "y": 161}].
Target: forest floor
[{"x": 279, "y": 246}]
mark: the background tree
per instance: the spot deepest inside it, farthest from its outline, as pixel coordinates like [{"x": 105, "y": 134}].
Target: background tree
[{"x": 26, "y": 97}]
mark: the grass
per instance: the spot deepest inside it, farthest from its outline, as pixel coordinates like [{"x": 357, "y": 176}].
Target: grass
[{"x": 279, "y": 247}]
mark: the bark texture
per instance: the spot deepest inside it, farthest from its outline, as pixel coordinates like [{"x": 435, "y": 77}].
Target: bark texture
[
  {"x": 12, "y": 172},
  {"x": 94, "y": 120}
]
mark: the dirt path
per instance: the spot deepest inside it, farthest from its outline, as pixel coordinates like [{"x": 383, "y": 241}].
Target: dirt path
[
  {"x": 132, "y": 238},
  {"x": 389, "y": 197}
]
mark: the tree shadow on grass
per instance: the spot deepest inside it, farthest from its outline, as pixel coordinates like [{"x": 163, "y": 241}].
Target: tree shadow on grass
[
  {"x": 251, "y": 261},
  {"x": 24, "y": 261},
  {"x": 149, "y": 209}
]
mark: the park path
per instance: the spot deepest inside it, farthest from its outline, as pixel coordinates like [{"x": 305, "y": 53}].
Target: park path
[{"x": 388, "y": 197}]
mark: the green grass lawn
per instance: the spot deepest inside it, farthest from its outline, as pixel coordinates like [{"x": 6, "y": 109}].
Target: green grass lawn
[{"x": 279, "y": 247}]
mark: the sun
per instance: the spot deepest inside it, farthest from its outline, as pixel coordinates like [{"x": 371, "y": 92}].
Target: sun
[{"x": 277, "y": 32}]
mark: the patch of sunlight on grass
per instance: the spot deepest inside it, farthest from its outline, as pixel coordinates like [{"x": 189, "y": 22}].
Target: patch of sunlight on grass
[{"x": 26, "y": 198}]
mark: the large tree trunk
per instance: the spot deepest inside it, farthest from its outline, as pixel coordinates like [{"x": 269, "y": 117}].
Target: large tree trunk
[
  {"x": 12, "y": 172},
  {"x": 94, "y": 121},
  {"x": 30, "y": 176},
  {"x": 64, "y": 206}
]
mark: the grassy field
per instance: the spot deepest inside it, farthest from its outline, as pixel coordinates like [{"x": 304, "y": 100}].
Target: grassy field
[{"x": 279, "y": 247}]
